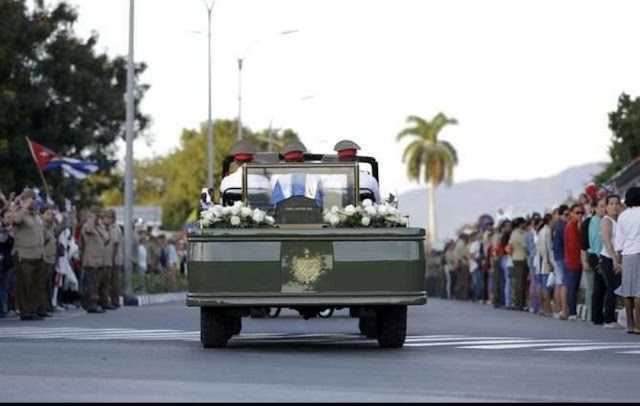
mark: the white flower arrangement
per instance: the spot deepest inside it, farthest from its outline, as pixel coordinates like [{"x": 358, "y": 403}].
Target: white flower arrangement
[
  {"x": 367, "y": 214},
  {"x": 240, "y": 215}
]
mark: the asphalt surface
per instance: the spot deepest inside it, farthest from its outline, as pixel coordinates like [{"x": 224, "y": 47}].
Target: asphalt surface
[{"x": 455, "y": 352}]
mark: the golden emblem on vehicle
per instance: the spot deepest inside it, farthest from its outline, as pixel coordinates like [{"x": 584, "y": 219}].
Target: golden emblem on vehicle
[{"x": 307, "y": 269}]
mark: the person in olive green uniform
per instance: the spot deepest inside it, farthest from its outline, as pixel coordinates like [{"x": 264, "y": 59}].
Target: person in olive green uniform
[
  {"x": 50, "y": 258},
  {"x": 28, "y": 251},
  {"x": 114, "y": 256},
  {"x": 94, "y": 238}
]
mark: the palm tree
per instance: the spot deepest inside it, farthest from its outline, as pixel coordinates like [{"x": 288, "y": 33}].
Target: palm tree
[{"x": 429, "y": 158}]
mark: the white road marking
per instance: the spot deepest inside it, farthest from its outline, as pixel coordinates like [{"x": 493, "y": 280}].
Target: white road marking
[{"x": 417, "y": 341}]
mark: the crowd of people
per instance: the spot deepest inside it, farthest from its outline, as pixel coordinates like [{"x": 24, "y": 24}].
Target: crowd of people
[
  {"x": 539, "y": 263},
  {"x": 51, "y": 259}
]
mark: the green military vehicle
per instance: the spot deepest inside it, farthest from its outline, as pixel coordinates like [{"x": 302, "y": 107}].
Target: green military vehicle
[{"x": 298, "y": 260}]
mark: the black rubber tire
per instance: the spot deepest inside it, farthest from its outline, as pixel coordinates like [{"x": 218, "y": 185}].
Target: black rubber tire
[
  {"x": 392, "y": 326},
  {"x": 235, "y": 325},
  {"x": 328, "y": 314},
  {"x": 275, "y": 313},
  {"x": 214, "y": 328},
  {"x": 368, "y": 327}
]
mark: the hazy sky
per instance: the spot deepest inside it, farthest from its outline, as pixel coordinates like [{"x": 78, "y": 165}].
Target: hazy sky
[{"x": 530, "y": 82}]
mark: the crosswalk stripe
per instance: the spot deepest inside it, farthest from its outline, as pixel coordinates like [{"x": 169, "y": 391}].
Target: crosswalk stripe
[
  {"x": 417, "y": 341},
  {"x": 609, "y": 346},
  {"x": 459, "y": 338},
  {"x": 478, "y": 342},
  {"x": 45, "y": 334},
  {"x": 528, "y": 345}
]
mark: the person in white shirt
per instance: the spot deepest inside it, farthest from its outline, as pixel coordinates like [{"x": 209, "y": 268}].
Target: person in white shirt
[
  {"x": 243, "y": 151},
  {"x": 347, "y": 152},
  {"x": 544, "y": 264},
  {"x": 627, "y": 245}
]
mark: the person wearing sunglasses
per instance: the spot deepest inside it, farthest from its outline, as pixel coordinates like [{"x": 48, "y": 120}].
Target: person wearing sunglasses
[{"x": 572, "y": 257}]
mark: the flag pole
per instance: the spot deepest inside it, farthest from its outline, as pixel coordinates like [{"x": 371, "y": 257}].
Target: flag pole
[{"x": 33, "y": 155}]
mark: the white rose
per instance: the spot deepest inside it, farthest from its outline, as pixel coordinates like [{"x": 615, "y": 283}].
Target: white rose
[
  {"x": 393, "y": 211},
  {"x": 226, "y": 210},
  {"x": 367, "y": 203},
  {"x": 334, "y": 220},
  {"x": 350, "y": 210},
  {"x": 335, "y": 209},
  {"x": 371, "y": 211},
  {"x": 258, "y": 216},
  {"x": 235, "y": 210},
  {"x": 404, "y": 221},
  {"x": 383, "y": 209},
  {"x": 238, "y": 204},
  {"x": 246, "y": 212},
  {"x": 207, "y": 217},
  {"x": 366, "y": 221},
  {"x": 235, "y": 221},
  {"x": 218, "y": 210},
  {"x": 270, "y": 220}
]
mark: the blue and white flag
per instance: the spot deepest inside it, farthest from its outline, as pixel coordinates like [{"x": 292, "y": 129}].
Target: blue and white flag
[{"x": 72, "y": 167}]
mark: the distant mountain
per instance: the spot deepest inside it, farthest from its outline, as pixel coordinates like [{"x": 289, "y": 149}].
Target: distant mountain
[{"x": 464, "y": 202}]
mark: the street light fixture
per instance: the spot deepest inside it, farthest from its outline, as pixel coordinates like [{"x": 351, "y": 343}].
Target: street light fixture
[{"x": 240, "y": 62}]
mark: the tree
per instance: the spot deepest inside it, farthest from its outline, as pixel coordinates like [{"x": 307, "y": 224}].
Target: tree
[
  {"x": 174, "y": 181},
  {"x": 429, "y": 158},
  {"x": 58, "y": 90},
  {"x": 625, "y": 140}
]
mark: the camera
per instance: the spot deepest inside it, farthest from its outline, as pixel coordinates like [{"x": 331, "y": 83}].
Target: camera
[{"x": 206, "y": 198}]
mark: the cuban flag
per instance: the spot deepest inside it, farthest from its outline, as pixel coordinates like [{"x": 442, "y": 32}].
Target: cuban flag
[{"x": 47, "y": 159}]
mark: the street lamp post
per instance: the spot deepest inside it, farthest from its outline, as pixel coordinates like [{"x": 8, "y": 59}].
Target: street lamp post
[
  {"x": 240, "y": 98},
  {"x": 240, "y": 62},
  {"x": 128, "y": 184},
  {"x": 209, "y": 123}
]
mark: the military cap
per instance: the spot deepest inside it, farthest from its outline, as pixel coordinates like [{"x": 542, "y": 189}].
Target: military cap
[
  {"x": 293, "y": 150},
  {"x": 346, "y": 148},
  {"x": 243, "y": 150}
]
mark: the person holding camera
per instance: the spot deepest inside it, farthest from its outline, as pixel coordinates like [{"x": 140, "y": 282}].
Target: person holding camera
[{"x": 29, "y": 253}]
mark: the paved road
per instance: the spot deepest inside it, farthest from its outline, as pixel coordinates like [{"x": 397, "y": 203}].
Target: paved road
[{"x": 455, "y": 352}]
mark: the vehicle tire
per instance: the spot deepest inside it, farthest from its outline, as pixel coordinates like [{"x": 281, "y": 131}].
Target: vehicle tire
[
  {"x": 392, "y": 326},
  {"x": 214, "y": 327},
  {"x": 235, "y": 325},
  {"x": 326, "y": 313},
  {"x": 275, "y": 313},
  {"x": 368, "y": 327}
]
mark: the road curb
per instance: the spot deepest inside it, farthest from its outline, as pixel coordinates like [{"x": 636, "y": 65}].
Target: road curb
[{"x": 157, "y": 298}]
